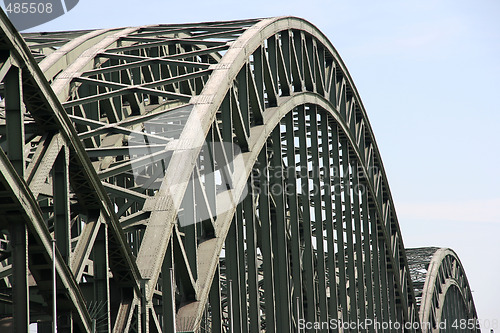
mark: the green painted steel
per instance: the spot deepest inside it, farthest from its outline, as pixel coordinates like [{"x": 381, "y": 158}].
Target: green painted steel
[{"x": 205, "y": 177}]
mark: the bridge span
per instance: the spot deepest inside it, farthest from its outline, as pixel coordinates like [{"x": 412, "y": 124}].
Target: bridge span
[{"x": 202, "y": 177}]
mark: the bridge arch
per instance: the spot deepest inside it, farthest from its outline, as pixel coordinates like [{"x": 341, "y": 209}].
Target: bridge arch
[
  {"x": 443, "y": 294},
  {"x": 178, "y": 236}
]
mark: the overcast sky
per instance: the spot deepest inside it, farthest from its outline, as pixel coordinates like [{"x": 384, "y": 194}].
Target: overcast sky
[{"x": 428, "y": 73}]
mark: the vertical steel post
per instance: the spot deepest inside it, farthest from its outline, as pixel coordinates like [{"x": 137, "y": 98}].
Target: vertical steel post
[
  {"x": 232, "y": 273},
  {"x": 279, "y": 234},
  {"x": 318, "y": 216},
  {"x": 376, "y": 262},
  {"x": 215, "y": 303},
  {"x": 242, "y": 270},
  {"x": 20, "y": 292},
  {"x": 329, "y": 225},
  {"x": 62, "y": 223},
  {"x": 230, "y": 305},
  {"x": 101, "y": 279},
  {"x": 298, "y": 313},
  {"x": 266, "y": 249},
  {"x": 348, "y": 220},
  {"x": 339, "y": 223},
  {"x": 14, "y": 117},
  {"x": 359, "y": 257},
  {"x": 54, "y": 287},
  {"x": 251, "y": 241},
  {"x": 367, "y": 243},
  {"x": 168, "y": 293},
  {"x": 308, "y": 263},
  {"x": 172, "y": 291},
  {"x": 293, "y": 204}
]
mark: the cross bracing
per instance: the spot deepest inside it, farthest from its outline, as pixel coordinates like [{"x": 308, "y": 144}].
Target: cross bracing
[{"x": 217, "y": 177}]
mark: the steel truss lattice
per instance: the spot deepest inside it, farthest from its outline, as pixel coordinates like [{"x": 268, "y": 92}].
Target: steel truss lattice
[
  {"x": 205, "y": 177},
  {"x": 442, "y": 290}
]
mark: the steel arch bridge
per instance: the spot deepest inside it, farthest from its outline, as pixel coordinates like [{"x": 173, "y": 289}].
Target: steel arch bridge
[{"x": 205, "y": 177}]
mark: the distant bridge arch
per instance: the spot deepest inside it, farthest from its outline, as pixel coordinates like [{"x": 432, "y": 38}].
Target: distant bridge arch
[{"x": 442, "y": 290}]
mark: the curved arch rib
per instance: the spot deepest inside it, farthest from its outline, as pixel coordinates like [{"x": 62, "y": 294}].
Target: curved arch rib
[{"x": 208, "y": 103}]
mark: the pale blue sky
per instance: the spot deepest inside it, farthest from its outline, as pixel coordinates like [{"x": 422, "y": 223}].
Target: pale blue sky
[{"x": 428, "y": 72}]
